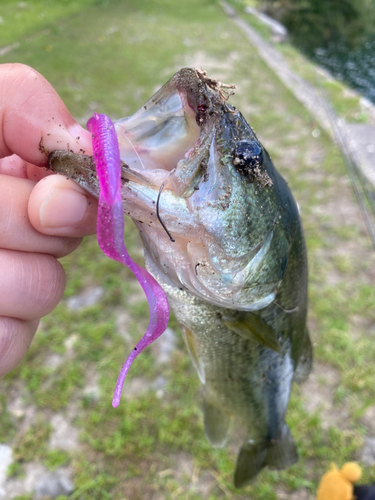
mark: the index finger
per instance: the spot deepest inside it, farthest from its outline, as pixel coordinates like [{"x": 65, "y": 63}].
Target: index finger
[{"x": 33, "y": 119}]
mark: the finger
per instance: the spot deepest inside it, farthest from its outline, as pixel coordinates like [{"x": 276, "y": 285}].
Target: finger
[
  {"x": 58, "y": 206},
  {"x": 14, "y": 166},
  {"x": 31, "y": 284},
  {"x": 16, "y": 231},
  {"x": 15, "y": 339},
  {"x": 31, "y": 109}
]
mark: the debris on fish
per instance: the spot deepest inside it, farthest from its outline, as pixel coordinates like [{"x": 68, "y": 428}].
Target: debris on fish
[{"x": 223, "y": 237}]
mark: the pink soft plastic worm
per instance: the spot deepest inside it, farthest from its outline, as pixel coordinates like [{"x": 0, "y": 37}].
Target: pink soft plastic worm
[{"x": 110, "y": 233}]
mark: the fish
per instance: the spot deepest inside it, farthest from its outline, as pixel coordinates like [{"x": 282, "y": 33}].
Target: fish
[{"x": 223, "y": 237}]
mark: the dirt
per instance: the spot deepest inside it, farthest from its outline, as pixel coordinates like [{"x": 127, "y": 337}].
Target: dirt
[
  {"x": 368, "y": 420},
  {"x": 319, "y": 397},
  {"x": 190, "y": 477},
  {"x": 296, "y": 495}
]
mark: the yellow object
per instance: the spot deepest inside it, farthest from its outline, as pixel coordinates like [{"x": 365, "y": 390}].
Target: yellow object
[{"x": 337, "y": 484}]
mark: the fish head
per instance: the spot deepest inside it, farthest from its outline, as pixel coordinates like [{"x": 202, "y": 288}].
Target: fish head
[
  {"x": 223, "y": 201},
  {"x": 216, "y": 218}
]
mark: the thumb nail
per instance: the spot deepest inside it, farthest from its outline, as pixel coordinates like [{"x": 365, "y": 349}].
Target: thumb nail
[{"x": 63, "y": 207}]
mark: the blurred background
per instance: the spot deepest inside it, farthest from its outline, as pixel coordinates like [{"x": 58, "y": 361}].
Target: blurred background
[
  {"x": 338, "y": 35},
  {"x": 59, "y": 435}
]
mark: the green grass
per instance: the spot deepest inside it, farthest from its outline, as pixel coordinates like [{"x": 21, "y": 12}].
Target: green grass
[
  {"x": 32, "y": 444},
  {"x": 110, "y": 57},
  {"x": 19, "y": 19}
]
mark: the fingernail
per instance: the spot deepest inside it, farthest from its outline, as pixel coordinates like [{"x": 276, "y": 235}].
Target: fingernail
[{"x": 62, "y": 208}]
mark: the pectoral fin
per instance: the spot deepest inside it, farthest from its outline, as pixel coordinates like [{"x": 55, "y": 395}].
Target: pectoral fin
[
  {"x": 191, "y": 345},
  {"x": 253, "y": 327}
]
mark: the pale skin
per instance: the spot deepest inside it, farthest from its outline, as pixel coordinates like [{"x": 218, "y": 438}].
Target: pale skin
[{"x": 42, "y": 217}]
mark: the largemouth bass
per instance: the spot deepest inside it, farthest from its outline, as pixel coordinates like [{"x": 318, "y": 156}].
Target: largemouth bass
[{"x": 223, "y": 237}]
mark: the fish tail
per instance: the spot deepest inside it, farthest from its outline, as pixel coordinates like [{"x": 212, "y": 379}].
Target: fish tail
[
  {"x": 283, "y": 450},
  {"x": 279, "y": 453},
  {"x": 305, "y": 361},
  {"x": 250, "y": 461}
]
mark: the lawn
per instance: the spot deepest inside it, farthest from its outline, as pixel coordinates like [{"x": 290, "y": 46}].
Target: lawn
[{"x": 109, "y": 57}]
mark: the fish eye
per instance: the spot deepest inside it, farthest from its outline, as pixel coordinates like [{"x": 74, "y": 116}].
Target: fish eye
[{"x": 247, "y": 155}]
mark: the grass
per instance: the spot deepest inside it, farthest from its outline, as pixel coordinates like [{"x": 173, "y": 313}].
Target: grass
[
  {"x": 33, "y": 443},
  {"x": 110, "y": 57},
  {"x": 19, "y": 19}
]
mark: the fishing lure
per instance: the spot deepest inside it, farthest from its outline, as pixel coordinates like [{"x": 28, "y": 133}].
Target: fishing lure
[{"x": 110, "y": 233}]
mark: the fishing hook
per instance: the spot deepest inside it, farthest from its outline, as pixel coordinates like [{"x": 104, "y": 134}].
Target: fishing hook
[{"x": 158, "y": 214}]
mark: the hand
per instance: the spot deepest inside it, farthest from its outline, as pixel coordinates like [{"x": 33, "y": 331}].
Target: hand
[{"x": 42, "y": 216}]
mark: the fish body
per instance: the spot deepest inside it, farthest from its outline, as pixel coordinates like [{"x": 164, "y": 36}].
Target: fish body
[{"x": 223, "y": 237}]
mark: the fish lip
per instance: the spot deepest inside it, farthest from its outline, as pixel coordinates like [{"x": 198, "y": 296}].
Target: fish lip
[{"x": 191, "y": 83}]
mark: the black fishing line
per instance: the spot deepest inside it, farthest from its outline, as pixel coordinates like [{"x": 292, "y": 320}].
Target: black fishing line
[{"x": 158, "y": 215}]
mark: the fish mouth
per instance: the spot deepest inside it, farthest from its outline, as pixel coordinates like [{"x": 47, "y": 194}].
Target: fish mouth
[
  {"x": 173, "y": 128},
  {"x": 167, "y": 127}
]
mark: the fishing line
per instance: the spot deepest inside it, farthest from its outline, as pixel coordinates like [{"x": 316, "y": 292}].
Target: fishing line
[
  {"x": 135, "y": 151},
  {"x": 159, "y": 194},
  {"x": 158, "y": 214}
]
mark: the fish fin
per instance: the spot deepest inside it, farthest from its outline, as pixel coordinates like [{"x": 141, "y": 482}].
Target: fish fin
[
  {"x": 282, "y": 452},
  {"x": 190, "y": 342},
  {"x": 278, "y": 454},
  {"x": 250, "y": 461},
  {"x": 253, "y": 327},
  {"x": 216, "y": 424},
  {"x": 305, "y": 361}
]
